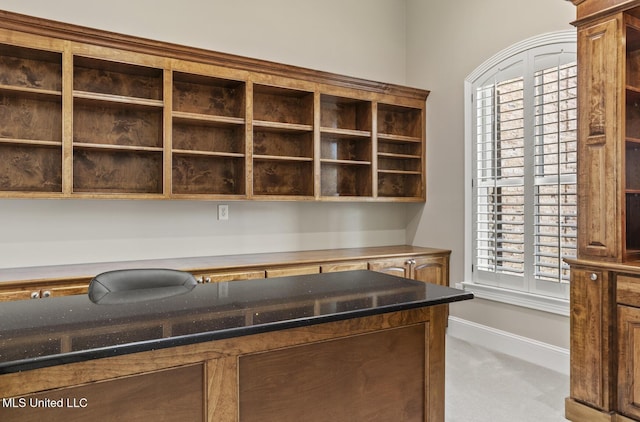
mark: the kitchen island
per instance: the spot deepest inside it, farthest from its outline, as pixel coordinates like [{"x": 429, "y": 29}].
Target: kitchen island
[{"x": 355, "y": 345}]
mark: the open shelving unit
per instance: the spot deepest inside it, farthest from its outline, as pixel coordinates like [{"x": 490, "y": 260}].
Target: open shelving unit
[
  {"x": 345, "y": 147},
  {"x": 117, "y": 127},
  {"x": 282, "y": 142},
  {"x": 208, "y": 143},
  {"x": 111, "y": 116},
  {"x": 400, "y": 151},
  {"x": 30, "y": 120}
]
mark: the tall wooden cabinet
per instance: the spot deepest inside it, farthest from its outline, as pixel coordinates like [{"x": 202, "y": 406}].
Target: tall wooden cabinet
[
  {"x": 91, "y": 114},
  {"x": 605, "y": 277}
]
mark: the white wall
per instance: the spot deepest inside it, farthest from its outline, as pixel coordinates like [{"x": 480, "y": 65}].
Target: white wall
[
  {"x": 363, "y": 38},
  {"x": 446, "y": 41}
]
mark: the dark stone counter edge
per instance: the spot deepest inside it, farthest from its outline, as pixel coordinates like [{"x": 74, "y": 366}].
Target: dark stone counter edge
[{"x": 144, "y": 346}]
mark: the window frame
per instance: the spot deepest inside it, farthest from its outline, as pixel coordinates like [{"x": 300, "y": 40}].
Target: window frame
[{"x": 547, "y": 296}]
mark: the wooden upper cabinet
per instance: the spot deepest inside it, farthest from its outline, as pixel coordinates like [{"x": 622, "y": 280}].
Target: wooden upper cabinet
[{"x": 110, "y": 116}]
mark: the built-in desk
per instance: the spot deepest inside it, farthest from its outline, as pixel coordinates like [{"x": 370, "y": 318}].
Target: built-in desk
[{"x": 357, "y": 346}]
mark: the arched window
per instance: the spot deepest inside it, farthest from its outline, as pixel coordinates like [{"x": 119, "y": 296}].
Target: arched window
[{"x": 521, "y": 134}]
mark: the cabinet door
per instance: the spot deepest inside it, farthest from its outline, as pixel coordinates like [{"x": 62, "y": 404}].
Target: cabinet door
[
  {"x": 432, "y": 270},
  {"x": 629, "y": 361},
  {"x": 592, "y": 311},
  {"x": 400, "y": 267},
  {"x": 599, "y": 88}
]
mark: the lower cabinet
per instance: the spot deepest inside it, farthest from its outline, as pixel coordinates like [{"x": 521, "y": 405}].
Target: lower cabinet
[
  {"x": 429, "y": 269},
  {"x": 424, "y": 264},
  {"x": 590, "y": 337},
  {"x": 605, "y": 344}
]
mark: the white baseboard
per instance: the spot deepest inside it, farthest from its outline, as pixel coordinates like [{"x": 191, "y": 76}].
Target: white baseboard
[{"x": 533, "y": 351}]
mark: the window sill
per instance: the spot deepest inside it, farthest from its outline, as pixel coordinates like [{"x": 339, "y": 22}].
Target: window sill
[{"x": 512, "y": 297}]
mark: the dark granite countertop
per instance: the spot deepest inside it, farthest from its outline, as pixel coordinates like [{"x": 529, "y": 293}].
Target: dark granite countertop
[{"x": 55, "y": 331}]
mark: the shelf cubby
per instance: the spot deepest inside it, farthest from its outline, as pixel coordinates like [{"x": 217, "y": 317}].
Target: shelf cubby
[
  {"x": 341, "y": 179},
  {"x": 31, "y": 167},
  {"x": 282, "y": 105},
  {"x": 207, "y": 174},
  {"x": 30, "y": 70},
  {"x": 127, "y": 81},
  {"x": 399, "y": 122},
  {"x": 394, "y": 184},
  {"x": 102, "y": 170},
  {"x": 283, "y": 143},
  {"x": 345, "y": 113},
  {"x": 208, "y": 96},
  {"x": 282, "y": 177},
  {"x": 105, "y": 123}
]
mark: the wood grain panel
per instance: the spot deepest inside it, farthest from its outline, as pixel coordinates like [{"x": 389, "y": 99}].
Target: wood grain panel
[
  {"x": 599, "y": 131},
  {"x": 345, "y": 180},
  {"x": 399, "y": 185},
  {"x": 117, "y": 171},
  {"x": 207, "y": 175},
  {"x": 210, "y": 96},
  {"x": 208, "y": 138},
  {"x": 115, "y": 78},
  {"x": 282, "y": 105},
  {"x": 28, "y": 68},
  {"x": 373, "y": 377},
  {"x": 591, "y": 341},
  {"x": 273, "y": 177},
  {"x": 395, "y": 120},
  {"x": 283, "y": 144},
  {"x": 236, "y": 275},
  {"x": 108, "y": 124},
  {"x": 31, "y": 117},
  {"x": 29, "y": 168},
  {"x": 171, "y": 395},
  {"x": 222, "y": 389},
  {"x": 345, "y": 266},
  {"x": 283, "y": 272}
]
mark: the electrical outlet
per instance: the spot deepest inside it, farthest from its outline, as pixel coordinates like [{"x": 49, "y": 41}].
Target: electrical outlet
[{"x": 223, "y": 212}]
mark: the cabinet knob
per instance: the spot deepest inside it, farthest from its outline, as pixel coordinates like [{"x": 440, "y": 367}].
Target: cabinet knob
[
  {"x": 593, "y": 276},
  {"x": 35, "y": 295},
  {"x": 46, "y": 293}
]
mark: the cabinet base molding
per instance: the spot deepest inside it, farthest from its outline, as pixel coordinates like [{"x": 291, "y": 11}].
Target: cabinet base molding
[{"x": 578, "y": 412}]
